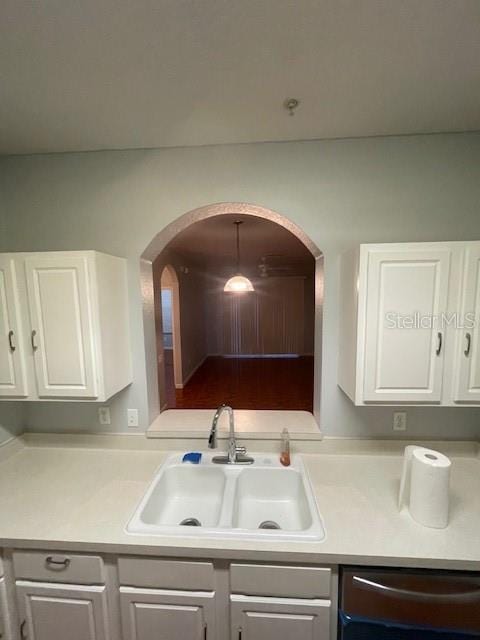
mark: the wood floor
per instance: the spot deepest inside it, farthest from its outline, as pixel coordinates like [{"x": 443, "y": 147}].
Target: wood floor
[{"x": 246, "y": 383}]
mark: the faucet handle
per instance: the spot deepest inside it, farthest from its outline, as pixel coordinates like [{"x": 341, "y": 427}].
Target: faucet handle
[
  {"x": 212, "y": 440},
  {"x": 241, "y": 450}
]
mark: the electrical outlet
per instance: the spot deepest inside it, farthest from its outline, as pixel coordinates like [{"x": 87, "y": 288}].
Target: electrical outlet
[
  {"x": 132, "y": 417},
  {"x": 104, "y": 415},
  {"x": 400, "y": 421}
]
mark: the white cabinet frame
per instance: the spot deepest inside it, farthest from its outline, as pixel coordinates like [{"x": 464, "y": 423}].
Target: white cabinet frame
[
  {"x": 64, "y": 326},
  {"x": 435, "y": 364}
]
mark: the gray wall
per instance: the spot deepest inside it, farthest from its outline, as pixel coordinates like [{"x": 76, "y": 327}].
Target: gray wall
[{"x": 340, "y": 192}]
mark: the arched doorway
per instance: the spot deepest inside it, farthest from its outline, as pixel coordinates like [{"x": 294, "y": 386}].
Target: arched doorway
[
  {"x": 164, "y": 238},
  {"x": 169, "y": 303}
]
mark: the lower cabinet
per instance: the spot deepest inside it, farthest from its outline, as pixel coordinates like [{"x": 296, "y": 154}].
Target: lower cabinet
[
  {"x": 61, "y": 611},
  {"x": 152, "y": 614},
  {"x": 79, "y": 596},
  {"x": 254, "y": 618}
]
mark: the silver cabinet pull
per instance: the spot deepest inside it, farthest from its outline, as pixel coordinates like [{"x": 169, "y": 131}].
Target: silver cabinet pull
[
  {"x": 424, "y": 596},
  {"x": 34, "y": 344},
  {"x": 11, "y": 343},
  {"x": 439, "y": 344},
  {"x": 57, "y": 565},
  {"x": 468, "y": 337},
  {"x": 23, "y": 635}
]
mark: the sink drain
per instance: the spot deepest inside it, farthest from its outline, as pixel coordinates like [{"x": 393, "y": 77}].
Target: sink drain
[
  {"x": 191, "y": 522},
  {"x": 269, "y": 524}
]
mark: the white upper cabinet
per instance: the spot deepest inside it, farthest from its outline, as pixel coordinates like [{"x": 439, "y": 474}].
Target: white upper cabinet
[
  {"x": 73, "y": 310},
  {"x": 62, "y": 335},
  {"x": 12, "y": 360},
  {"x": 467, "y": 353},
  {"x": 402, "y": 362},
  {"x": 400, "y": 323}
]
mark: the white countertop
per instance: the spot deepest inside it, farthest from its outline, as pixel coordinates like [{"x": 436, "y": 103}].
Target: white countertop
[{"x": 79, "y": 494}]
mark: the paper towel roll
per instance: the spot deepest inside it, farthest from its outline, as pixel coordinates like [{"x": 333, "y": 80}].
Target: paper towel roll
[{"x": 425, "y": 486}]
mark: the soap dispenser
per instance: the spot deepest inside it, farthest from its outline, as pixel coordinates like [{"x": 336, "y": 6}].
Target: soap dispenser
[{"x": 285, "y": 453}]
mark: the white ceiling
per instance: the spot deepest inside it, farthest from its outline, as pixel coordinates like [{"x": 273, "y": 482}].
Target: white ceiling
[
  {"x": 212, "y": 244},
  {"x": 102, "y": 74}
]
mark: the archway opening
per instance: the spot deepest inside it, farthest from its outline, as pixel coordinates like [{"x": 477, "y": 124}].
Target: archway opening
[{"x": 259, "y": 350}]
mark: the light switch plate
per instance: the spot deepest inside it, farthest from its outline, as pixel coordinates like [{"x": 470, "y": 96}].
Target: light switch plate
[{"x": 132, "y": 417}]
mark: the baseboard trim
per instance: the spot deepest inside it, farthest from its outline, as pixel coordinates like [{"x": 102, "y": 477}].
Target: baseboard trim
[
  {"x": 246, "y": 356},
  {"x": 185, "y": 381}
]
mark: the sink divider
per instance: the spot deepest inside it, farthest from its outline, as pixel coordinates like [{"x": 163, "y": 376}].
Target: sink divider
[{"x": 228, "y": 500}]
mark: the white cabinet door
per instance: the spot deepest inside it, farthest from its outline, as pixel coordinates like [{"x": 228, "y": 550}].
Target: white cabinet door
[
  {"x": 60, "y": 612},
  {"x": 406, "y": 295},
  {"x": 468, "y": 346},
  {"x": 60, "y": 298},
  {"x": 279, "y": 619},
  {"x": 150, "y": 614},
  {"x": 12, "y": 363}
]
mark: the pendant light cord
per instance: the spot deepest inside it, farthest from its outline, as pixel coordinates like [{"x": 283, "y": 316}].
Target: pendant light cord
[{"x": 238, "y": 223}]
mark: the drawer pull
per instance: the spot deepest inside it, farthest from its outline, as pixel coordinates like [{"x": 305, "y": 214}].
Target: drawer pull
[
  {"x": 57, "y": 565},
  {"x": 23, "y": 635},
  {"x": 33, "y": 340}
]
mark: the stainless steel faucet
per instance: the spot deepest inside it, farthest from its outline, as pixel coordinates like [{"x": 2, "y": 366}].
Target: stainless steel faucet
[{"x": 236, "y": 455}]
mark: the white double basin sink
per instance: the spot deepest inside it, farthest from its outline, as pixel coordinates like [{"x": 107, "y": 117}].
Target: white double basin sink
[{"x": 260, "y": 501}]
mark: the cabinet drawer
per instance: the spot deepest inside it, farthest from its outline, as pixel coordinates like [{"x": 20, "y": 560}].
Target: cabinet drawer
[
  {"x": 280, "y": 581},
  {"x": 58, "y": 567},
  {"x": 166, "y": 574}
]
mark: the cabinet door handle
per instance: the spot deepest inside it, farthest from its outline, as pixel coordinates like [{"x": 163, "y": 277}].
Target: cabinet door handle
[
  {"x": 23, "y": 635},
  {"x": 439, "y": 343},
  {"x": 204, "y": 632},
  {"x": 34, "y": 343},
  {"x": 240, "y": 633},
  {"x": 468, "y": 337},
  {"x": 57, "y": 565},
  {"x": 11, "y": 343}
]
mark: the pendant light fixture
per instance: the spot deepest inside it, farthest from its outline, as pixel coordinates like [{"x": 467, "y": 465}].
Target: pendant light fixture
[{"x": 239, "y": 283}]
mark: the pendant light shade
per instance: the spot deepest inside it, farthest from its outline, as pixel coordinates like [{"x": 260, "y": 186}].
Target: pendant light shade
[{"x": 239, "y": 283}]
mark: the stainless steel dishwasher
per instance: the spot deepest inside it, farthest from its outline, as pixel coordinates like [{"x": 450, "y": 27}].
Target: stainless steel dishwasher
[{"x": 404, "y": 604}]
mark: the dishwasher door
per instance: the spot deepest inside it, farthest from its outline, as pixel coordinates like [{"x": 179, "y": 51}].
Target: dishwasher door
[{"x": 401, "y": 604}]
